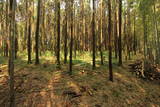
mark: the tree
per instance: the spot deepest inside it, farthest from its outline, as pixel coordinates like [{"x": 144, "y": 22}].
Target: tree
[
  {"x": 120, "y": 30},
  {"x": 12, "y": 52},
  {"x": 110, "y": 45},
  {"x": 156, "y": 33},
  {"x": 71, "y": 39},
  {"x": 26, "y": 23},
  {"x": 7, "y": 29},
  {"x": 135, "y": 38},
  {"x": 58, "y": 33},
  {"x": 115, "y": 31},
  {"x": 101, "y": 33},
  {"x": 29, "y": 39},
  {"x": 16, "y": 42},
  {"x": 93, "y": 38},
  {"x": 129, "y": 32},
  {"x": 66, "y": 34},
  {"x": 37, "y": 33},
  {"x": 144, "y": 15}
]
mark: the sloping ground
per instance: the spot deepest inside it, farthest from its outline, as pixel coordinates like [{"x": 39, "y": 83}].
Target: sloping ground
[{"x": 45, "y": 86}]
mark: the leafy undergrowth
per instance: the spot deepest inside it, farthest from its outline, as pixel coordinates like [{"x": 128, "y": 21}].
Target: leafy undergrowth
[{"x": 46, "y": 86}]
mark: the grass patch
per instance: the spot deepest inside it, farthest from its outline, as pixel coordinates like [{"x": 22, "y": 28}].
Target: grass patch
[{"x": 47, "y": 83}]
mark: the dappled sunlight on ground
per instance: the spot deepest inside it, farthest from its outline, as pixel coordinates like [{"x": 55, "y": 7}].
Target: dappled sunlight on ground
[{"x": 46, "y": 86}]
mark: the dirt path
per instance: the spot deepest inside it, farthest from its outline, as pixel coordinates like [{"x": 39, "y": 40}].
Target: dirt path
[{"x": 49, "y": 87}]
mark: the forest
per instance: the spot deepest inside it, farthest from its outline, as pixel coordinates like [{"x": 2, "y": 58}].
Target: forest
[{"x": 79, "y": 53}]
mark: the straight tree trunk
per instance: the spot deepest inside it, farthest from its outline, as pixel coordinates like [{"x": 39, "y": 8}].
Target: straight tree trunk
[
  {"x": 37, "y": 33},
  {"x": 129, "y": 38},
  {"x": 2, "y": 27},
  {"x": 11, "y": 53},
  {"x": 84, "y": 26},
  {"x": 135, "y": 39},
  {"x": 58, "y": 33},
  {"x": 26, "y": 25},
  {"x": 66, "y": 34},
  {"x": 16, "y": 46},
  {"x": 71, "y": 41},
  {"x": 120, "y": 30},
  {"x": 110, "y": 45},
  {"x": 116, "y": 37},
  {"x": 16, "y": 42},
  {"x": 101, "y": 33},
  {"x": 156, "y": 36},
  {"x": 7, "y": 30},
  {"x": 29, "y": 40},
  {"x": 93, "y": 37},
  {"x": 74, "y": 30},
  {"x": 145, "y": 35},
  {"x": 125, "y": 36}
]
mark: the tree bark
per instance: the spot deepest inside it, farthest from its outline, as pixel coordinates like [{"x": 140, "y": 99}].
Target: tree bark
[
  {"x": 145, "y": 35},
  {"x": 66, "y": 34},
  {"x": 26, "y": 25},
  {"x": 7, "y": 29},
  {"x": 101, "y": 34},
  {"x": 116, "y": 36},
  {"x": 156, "y": 36},
  {"x": 58, "y": 33},
  {"x": 120, "y": 30},
  {"x": 37, "y": 33},
  {"x": 110, "y": 45},
  {"x": 29, "y": 40},
  {"x": 93, "y": 37},
  {"x": 11, "y": 53},
  {"x": 135, "y": 38},
  {"x": 71, "y": 41}
]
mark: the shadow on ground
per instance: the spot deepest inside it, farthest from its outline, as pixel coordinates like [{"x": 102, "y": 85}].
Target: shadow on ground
[{"x": 46, "y": 86}]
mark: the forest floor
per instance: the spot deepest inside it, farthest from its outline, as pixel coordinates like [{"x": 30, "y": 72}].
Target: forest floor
[{"x": 46, "y": 86}]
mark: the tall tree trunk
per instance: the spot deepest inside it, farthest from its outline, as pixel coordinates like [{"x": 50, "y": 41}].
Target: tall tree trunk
[
  {"x": 101, "y": 33},
  {"x": 110, "y": 44},
  {"x": 156, "y": 36},
  {"x": 125, "y": 36},
  {"x": 74, "y": 30},
  {"x": 115, "y": 35},
  {"x": 93, "y": 37},
  {"x": 2, "y": 26},
  {"x": 58, "y": 33},
  {"x": 12, "y": 52},
  {"x": 120, "y": 30},
  {"x": 29, "y": 40},
  {"x": 71, "y": 41},
  {"x": 16, "y": 47},
  {"x": 66, "y": 34},
  {"x": 135, "y": 39},
  {"x": 84, "y": 26},
  {"x": 145, "y": 35},
  {"x": 26, "y": 25},
  {"x": 37, "y": 33},
  {"x": 16, "y": 42},
  {"x": 7, "y": 30},
  {"x": 129, "y": 38}
]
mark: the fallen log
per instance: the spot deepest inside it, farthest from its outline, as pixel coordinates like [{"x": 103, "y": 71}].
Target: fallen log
[{"x": 72, "y": 94}]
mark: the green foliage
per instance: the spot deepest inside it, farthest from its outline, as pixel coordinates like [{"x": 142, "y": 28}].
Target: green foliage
[{"x": 145, "y": 6}]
